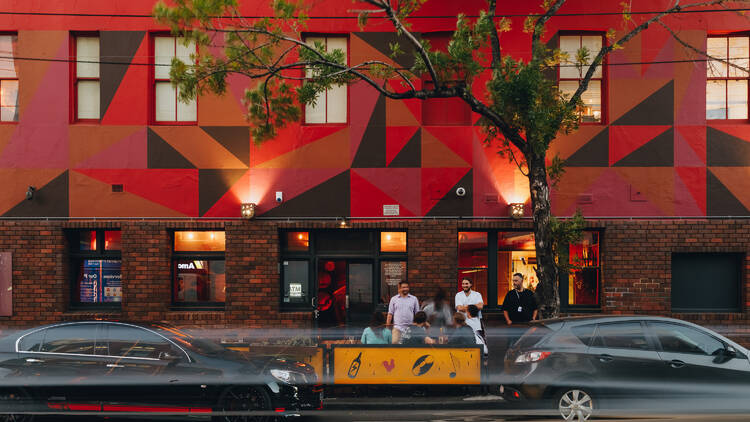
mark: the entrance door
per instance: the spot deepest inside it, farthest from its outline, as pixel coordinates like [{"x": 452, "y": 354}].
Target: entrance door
[{"x": 344, "y": 292}]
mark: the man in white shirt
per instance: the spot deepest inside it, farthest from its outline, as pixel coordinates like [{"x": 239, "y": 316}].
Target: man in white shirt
[{"x": 468, "y": 297}]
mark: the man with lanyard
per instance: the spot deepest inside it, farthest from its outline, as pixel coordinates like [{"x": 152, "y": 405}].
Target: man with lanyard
[
  {"x": 467, "y": 297},
  {"x": 401, "y": 311},
  {"x": 519, "y": 306}
]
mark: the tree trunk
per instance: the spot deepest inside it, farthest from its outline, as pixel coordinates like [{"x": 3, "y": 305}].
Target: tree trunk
[{"x": 546, "y": 268}]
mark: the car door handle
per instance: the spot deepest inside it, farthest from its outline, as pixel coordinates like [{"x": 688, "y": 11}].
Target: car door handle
[
  {"x": 606, "y": 358},
  {"x": 676, "y": 363},
  {"x": 32, "y": 360},
  {"x": 114, "y": 365}
]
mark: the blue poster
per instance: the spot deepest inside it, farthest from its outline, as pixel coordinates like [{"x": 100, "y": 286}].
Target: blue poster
[{"x": 101, "y": 281}]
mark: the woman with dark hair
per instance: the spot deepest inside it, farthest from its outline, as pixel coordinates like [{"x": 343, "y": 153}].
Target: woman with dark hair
[
  {"x": 376, "y": 332},
  {"x": 462, "y": 335}
]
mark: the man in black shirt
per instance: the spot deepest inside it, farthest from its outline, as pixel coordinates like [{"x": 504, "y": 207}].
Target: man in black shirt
[{"x": 519, "y": 304}]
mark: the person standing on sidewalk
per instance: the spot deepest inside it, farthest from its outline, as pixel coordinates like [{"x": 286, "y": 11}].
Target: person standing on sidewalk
[
  {"x": 519, "y": 306},
  {"x": 468, "y": 297},
  {"x": 401, "y": 311}
]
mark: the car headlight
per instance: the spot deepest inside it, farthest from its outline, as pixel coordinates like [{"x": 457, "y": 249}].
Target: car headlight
[{"x": 281, "y": 375}]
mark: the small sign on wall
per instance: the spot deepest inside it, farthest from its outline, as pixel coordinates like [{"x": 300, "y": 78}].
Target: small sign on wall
[
  {"x": 295, "y": 289},
  {"x": 390, "y": 210},
  {"x": 6, "y": 284}
]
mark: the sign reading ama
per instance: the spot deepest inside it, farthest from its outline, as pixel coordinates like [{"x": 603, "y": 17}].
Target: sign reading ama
[{"x": 406, "y": 365}]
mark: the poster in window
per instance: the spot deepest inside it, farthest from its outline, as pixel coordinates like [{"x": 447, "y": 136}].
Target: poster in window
[
  {"x": 101, "y": 281},
  {"x": 394, "y": 272}
]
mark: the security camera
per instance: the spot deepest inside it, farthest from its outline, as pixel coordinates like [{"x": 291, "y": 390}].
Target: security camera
[
  {"x": 279, "y": 196},
  {"x": 460, "y": 191}
]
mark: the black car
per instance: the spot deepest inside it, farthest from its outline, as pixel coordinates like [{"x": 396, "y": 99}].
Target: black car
[
  {"x": 110, "y": 367},
  {"x": 626, "y": 363}
]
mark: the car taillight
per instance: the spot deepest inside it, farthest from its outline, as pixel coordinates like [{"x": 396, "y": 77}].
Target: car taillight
[{"x": 533, "y": 356}]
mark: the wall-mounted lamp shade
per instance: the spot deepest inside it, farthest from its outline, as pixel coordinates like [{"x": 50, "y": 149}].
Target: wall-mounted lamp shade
[
  {"x": 515, "y": 210},
  {"x": 247, "y": 210}
]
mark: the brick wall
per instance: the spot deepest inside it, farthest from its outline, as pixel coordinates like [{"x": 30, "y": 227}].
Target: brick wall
[{"x": 636, "y": 265}]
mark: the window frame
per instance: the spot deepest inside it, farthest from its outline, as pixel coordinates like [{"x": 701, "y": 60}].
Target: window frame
[
  {"x": 563, "y": 279},
  {"x": 77, "y": 256},
  {"x": 326, "y": 36},
  {"x": 740, "y": 262},
  {"x": 18, "y": 98},
  {"x": 726, "y": 80},
  {"x": 312, "y": 256},
  {"x": 74, "y": 35},
  {"x": 153, "y": 81},
  {"x": 603, "y": 80},
  {"x": 195, "y": 256}
]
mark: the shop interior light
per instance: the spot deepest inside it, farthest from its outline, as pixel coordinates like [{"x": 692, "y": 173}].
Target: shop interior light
[
  {"x": 247, "y": 210},
  {"x": 515, "y": 210},
  {"x": 343, "y": 223}
]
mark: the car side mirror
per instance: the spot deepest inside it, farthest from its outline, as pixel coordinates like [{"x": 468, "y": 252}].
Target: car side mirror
[{"x": 726, "y": 354}]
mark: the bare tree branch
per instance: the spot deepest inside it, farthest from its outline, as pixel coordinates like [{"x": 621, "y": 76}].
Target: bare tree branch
[
  {"x": 494, "y": 38},
  {"x": 699, "y": 51},
  {"x": 386, "y": 5},
  {"x": 539, "y": 27}
]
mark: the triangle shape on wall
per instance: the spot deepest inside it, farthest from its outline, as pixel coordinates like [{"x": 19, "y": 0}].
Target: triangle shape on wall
[
  {"x": 736, "y": 180},
  {"x": 90, "y": 197},
  {"x": 331, "y": 198},
  {"x": 382, "y": 40},
  {"x": 694, "y": 180},
  {"x": 396, "y": 138},
  {"x": 403, "y": 185},
  {"x": 371, "y": 151},
  {"x": 623, "y": 140},
  {"x": 117, "y": 49},
  {"x": 657, "y": 109},
  {"x": 457, "y": 138},
  {"x": 101, "y": 146},
  {"x": 328, "y": 152},
  {"x": 723, "y": 149},
  {"x": 236, "y": 139},
  {"x": 368, "y": 200},
  {"x": 594, "y": 153},
  {"x": 161, "y": 155},
  {"x": 200, "y": 149},
  {"x": 437, "y": 154},
  {"x": 453, "y": 205},
  {"x": 213, "y": 184},
  {"x": 398, "y": 113},
  {"x": 658, "y": 152},
  {"x": 51, "y": 200},
  {"x": 720, "y": 201},
  {"x": 654, "y": 184},
  {"x": 411, "y": 154}
]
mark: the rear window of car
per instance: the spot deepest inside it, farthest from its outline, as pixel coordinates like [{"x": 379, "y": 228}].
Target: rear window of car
[
  {"x": 572, "y": 337},
  {"x": 584, "y": 333},
  {"x": 532, "y": 336}
]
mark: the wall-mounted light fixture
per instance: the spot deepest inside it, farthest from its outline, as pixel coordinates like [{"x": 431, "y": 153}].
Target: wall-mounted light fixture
[
  {"x": 30, "y": 193},
  {"x": 343, "y": 224},
  {"x": 515, "y": 210},
  {"x": 247, "y": 210}
]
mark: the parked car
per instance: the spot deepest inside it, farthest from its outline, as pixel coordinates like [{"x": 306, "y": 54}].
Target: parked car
[
  {"x": 106, "y": 366},
  {"x": 583, "y": 364}
]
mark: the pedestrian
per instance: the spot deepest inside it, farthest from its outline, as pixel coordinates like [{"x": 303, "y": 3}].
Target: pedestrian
[
  {"x": 376, "y": 332},
  {"x": 474, "y": 323},
  {"x": 467, "y": 297},
  {"x": 401, "y": 311},
  {"x": 417, "y": 333},
  {"x": 462, "y": 334},
  {"x": 519, "y": 304},
  {"x": 438, "y": 311}
]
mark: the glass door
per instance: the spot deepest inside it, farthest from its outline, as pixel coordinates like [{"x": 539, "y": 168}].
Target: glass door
[
  {"x": 331, "y": 303},
  {"x": 360, "y": 297}
]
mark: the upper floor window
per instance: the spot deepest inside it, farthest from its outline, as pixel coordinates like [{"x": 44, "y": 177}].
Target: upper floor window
[
  {"x": 86, "y": 93},
  {"x": 8, "y": 79},
  {"x": 97, "y": 267},
  {"x": 571, "y": 74},
  {"x": 726, "y": 83},
  {"x": 330, "y": 106},
  {"x": 167, "y": 106}
]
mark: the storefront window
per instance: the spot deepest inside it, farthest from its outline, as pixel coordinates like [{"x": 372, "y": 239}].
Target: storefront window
[
  {"x": 393, "y": 242},
  {"x": 515, "y": 254},
  {"x": 97, "y": 267},
  {"x": 296, "y": 282},
  {"x": 583, "y": 276},
  {"x": 297, "y": 241},
  {"x": 198, "y": 268},
  {"x": 391, "y": 273},
  {"x": 472, "y": 261}
]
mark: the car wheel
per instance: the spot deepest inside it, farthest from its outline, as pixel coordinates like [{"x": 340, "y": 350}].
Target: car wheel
[
  {"x": 574, "y": 404},
  {"x": 14, "y": 399},
  {"x": 243, "y": 399}
]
